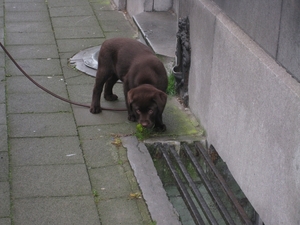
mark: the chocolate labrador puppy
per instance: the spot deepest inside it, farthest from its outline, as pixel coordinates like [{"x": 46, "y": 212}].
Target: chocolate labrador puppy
[{"x": 144, "y": 80}]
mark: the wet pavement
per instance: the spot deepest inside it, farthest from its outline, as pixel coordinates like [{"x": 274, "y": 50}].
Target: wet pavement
[{"x": 60, "y": 164}]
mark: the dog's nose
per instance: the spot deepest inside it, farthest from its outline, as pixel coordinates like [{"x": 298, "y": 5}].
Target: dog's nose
[{"x": 144, "y": 123}]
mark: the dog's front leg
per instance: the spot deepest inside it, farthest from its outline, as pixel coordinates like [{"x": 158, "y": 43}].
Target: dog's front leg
[{"x": 159, "y": 125}]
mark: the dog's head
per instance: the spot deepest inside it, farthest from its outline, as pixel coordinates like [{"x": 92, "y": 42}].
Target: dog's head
[{"x": 147, "y": 104}]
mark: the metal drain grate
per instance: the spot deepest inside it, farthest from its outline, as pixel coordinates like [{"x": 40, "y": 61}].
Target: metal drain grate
[{"x": 197, "y": 204}]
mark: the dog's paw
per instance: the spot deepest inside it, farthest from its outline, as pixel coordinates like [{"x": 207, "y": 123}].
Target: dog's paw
[
  {"x": 160, "y": 128},
  {"x": 132, "y": 118},
  {"x": 112, "y": 97},
  {"x": 95, "y": 109}
]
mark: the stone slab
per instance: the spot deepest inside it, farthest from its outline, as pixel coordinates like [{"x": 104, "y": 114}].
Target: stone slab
[
  {"x": 96, "y": 132},
  {"x": 4, "y": 199},
  {"x": 33, "y": 51},
  {"x": 2, "y": 114},
  {"x": 254, "y": 107},
  {"x": 110, "y": 182},
  {"x": 127, "y": 214},
  {"x": 39, "y": 16},
  {"x": 83, "y": 116},
  {"x": 41, "y": 125},
  {"x": 29, "y": 38},
  {"x": 78, "y": 32},
  {"x": 50, "y": 180},
  {"x": 28, "y": 27},
  {"x": 60, "y": 3},
  {"x": 3, "y": 138},
  {"x": 45, "y": 151},
  {"x": 63, "y": 11},
  {"x": 25, "y": 7},
  {"x": 159, "y": 29},
  {"x": 288, "y": 50},
  {"x": 67, "y": 210},
  {"x": 100, "y": 152},
  {"x": 21, "y": 84},
  {"x": 37, "y": 103},
  {"x": 161, "y": 210},
  {"x": 5, "y": 221},
  {"x": 75, "y": 45},
  {"x": 35, "y": 67},
  {"x": 4, "y": 166},
  {"x": 249, "y": 14},
  {"x": 75, "y": 21}
]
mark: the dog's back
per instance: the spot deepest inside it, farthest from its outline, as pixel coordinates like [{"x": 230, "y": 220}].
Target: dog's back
[{"x": 131, "y": 58}]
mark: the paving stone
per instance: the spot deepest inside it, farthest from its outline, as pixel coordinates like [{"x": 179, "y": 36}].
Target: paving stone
[
  {"x": 60, "y": 3},
  {"x": 83, "y": 116},
  {"x": 76, "y": 77},
  {"x": 75, "y": 45},
  {"x": 77, "y": 32},
  {"x": 67, "y": 210},
  {"x": 121, "y": 26},
  {"x": 45, "y": 151},
  {"x": 39, "y": 16},
  {"x": 75, "y": 21},
  {"x": 2, "y": 114},
  {"x": 25, "y": 7},
  {"x": 28, "y": 27},
  {"x": 4, "y": 166},
  {"x": 102, "y": 5},
  {"x": 38, "y": 103},
  {"x": 97, "y": 132},
  {"x": 50, "y": 180},
  {"x": 2, "y": 91},
  {"x": 33, "y": 51},
  {"x": 35, "y": 67},
  {"x": 5, "y": 200},
  {"x": 29, "y": 38},
  {"x": 111, "y": 16},
  {"x": 41, "y": 125},
  {"x": 2, "y": 64},
  {"x": 21, "y": 84},
  {"x": 110, "y": 182},
  {"x": 71, "y": 11},
  {"x": 5, "y": 221},
  {"x": 101, "y": 152},
  {"x": 3, "y": 138},
  {"x": 127, "y": 214}
]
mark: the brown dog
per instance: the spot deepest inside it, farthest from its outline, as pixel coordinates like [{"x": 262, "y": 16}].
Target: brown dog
[{"x": 144, "y": 80}]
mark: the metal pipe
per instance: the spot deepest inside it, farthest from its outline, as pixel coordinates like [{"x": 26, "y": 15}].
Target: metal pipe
[
  {"x": 195, "y": 190},
  {"x": 183, "y": 190},
  {"x": 230, "y": 194},
  {"x": 209, "y": 186}
]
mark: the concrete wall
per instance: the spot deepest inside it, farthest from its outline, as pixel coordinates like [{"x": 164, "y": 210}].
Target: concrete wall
[
  {"x": 135, "y": 7},
  {"x": 247, "y": 102},
  {"x": 249, "y": 106}
]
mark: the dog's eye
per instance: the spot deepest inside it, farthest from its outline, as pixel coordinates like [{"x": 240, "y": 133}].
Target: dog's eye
[{"x": 150, "y": 111}]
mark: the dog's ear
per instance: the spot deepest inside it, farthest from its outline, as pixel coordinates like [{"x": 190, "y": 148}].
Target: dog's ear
[{"x": 160, "y": 98}]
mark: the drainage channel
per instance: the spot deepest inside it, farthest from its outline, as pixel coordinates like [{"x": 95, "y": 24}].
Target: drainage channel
[{"x": 197, "y": 182}]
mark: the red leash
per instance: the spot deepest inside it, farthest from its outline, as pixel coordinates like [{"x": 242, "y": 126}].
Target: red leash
[{"x": 48, "y": 91}]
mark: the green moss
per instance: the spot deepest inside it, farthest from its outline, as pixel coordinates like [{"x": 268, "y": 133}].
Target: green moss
[{"x": 171, "y": 85}]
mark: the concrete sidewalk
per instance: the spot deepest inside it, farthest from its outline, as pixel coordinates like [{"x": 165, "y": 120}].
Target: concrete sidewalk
[{"x": 59, "y": 164}]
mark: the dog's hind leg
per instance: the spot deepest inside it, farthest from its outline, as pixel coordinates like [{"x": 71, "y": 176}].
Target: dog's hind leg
[
  {"x": 101, "y": 77},
  {"x": 108, "y": 92}
]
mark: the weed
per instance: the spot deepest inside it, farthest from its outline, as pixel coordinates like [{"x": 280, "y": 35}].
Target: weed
[
  {"x": 171, "y": 90},
  {"x": 142, "y": 132}
]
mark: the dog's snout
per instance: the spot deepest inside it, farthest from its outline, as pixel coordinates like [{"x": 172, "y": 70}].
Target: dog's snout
[{"x": 146, "y": 123}]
